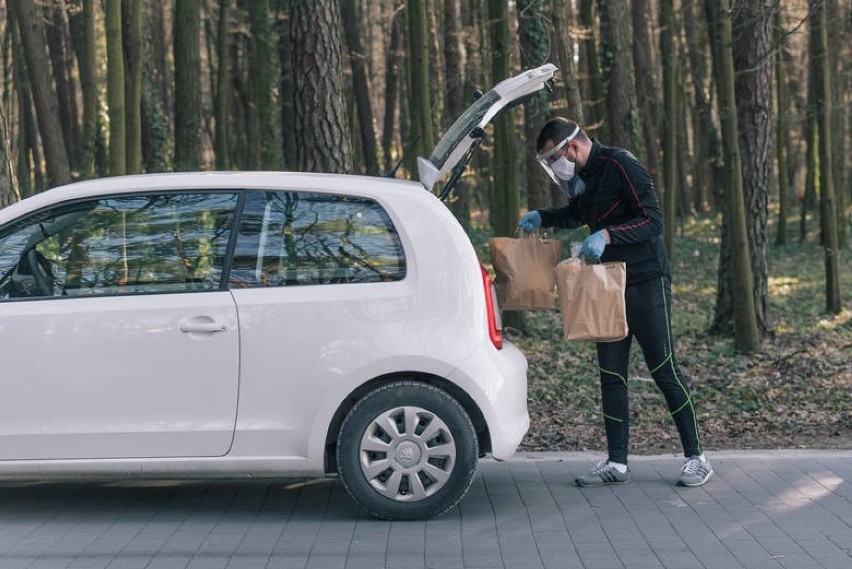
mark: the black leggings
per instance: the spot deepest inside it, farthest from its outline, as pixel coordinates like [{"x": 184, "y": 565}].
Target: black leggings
[{"x": 649, "y": 320}]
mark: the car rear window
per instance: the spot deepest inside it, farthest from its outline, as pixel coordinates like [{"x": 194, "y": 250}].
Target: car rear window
[{"x": 308, "y": 238}]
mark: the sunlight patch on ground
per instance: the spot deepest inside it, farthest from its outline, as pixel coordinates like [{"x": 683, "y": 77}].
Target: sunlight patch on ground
[
  {"x": 784, "y": 286},
  {"x": 802, "y": 494}
]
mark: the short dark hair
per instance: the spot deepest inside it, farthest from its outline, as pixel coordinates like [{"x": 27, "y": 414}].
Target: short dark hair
[{"x": 556, "y": 130}]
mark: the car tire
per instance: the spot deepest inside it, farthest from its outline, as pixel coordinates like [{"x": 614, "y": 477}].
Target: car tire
[{"x": 407, "y": 450}]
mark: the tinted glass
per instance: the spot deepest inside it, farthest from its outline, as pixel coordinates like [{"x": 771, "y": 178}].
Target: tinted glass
[
  {"x": 121, "y": 245},
  {"x": 300, "y": 238},
  {"x": 470, "y": 119}
]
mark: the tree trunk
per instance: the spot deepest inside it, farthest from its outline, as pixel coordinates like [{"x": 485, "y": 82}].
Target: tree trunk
[
  {"x": 420, "y": 85},
  {"x": 594, "y": 96},
  {"x": 535, "y": 46},
  {"x": 115, "y": 91},
  {"x": 133, "y": 83},
  {"x": 222, "y": 102},
  {"x": 648, "y": 87},
  {"x": 393, "y": 57},
  {"x": 30, "y": 175},
  {"x": 9, "y": 192},
  {"x": 616, "y": 45},
  {"x": 187, "y": 27},
  {"x": 455, "y": 62},
  {"x": 563, "y": 42},
  {"x": 89, "y": 85},
  {"x": 822, "y": 97},
  {"x": 705, "y": 136},
  {"x": 745, "y": 327},
  {"x": 781, "y": 129},
  {"x": 506, "y": 204},
  {"x": 62, "y": 65},
  {"x": 31, "y": 25},
  {"x": 321, "y": 123},
  {"x": 264, "y": 75},
  {"x": 353, "y": 27},
  {"x": 670, "y": 113},
  {"x": 753, "y": 68},
  {"x": 838, "y": 26}
]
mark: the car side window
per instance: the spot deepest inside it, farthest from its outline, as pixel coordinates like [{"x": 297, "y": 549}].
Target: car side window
[
  {"x": 303, "y": 238},
  {"x": 119, "y": 245}
]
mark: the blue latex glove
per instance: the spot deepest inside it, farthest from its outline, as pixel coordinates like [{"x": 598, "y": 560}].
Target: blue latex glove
[
  {"x": 530, "y": 221},
  {"x": 594, "y": 245}
]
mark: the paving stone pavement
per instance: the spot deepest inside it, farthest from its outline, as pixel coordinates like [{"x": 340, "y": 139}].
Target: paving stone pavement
[{"x": 761, "y": 510}]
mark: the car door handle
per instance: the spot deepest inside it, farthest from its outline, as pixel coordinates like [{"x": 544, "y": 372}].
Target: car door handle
[{"x": 205, "y": 327}]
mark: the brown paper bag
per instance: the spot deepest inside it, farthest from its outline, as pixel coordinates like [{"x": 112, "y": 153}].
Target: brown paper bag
[
  {"x": 524, "y": 271},
  {"x": 591, "y": 298}
]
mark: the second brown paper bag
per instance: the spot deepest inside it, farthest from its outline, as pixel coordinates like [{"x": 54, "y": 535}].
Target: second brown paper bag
[{"x": 591, "y": 298}]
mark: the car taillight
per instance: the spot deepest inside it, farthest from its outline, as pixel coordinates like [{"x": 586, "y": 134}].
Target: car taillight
[{"x": 495, "y": 324}]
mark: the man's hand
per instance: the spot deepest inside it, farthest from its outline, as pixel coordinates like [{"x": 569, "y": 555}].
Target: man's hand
[
  {"x": 594, "y": 245},
  {"x": 530, "y": 221}
]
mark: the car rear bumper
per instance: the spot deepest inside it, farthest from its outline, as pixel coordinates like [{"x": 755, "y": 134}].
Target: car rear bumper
[{"x": 498, "y": 382}]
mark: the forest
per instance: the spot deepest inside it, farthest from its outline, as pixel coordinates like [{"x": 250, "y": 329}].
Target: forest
[{"x": 739, "y": 108}]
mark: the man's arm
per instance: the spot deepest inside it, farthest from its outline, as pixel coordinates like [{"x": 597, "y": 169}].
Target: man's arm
[{"x": 566, "y": 216}]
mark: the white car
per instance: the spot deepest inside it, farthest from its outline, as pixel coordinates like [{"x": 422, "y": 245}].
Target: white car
[{"x": 258, "y": 325}]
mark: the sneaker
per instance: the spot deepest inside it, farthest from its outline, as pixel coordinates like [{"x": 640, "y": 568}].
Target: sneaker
[
  {"x": 695, "y": 472},
  {"x": 604, "y": 473}
]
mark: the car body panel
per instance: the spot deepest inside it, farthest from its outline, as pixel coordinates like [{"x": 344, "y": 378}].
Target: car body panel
[{"x": 115, "y": 377}]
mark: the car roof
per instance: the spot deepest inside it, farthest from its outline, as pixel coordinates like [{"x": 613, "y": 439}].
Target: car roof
[{"x": 366, "y": 186}]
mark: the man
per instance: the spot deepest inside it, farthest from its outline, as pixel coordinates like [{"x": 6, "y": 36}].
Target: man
[{"x": 609, "y": 190}]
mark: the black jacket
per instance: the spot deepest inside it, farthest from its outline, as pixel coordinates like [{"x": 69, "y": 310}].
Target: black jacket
[{"x": 620, "y": 198}]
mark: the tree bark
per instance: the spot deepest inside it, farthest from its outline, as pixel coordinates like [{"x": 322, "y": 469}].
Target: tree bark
[
  {"x": 753, "y": 67},
  {"x": 187, "y": 113},
  {"x": 506, "y": 202},
  {"x": 745, "y": 328},
  {"x": 563, "y": 43},
  {"x": 321, "y": 121},
  {"x": 594, "y": 92},
  {"x": 420, "y": 86},
  {"x": 115, "y": 91},
  {"x": 89, "y": 85},
  {"x": 669, "y": 61},
  {"x": 133, "y": 83},
  {"x": 455, "y": 61},
  {"x": 31, "y": 25},
  {"x": 223, "y": 88},
  {"x": 828, "y": 212},
  {"x": 782, "y": 102},
  {"x": 534, "y": 51},
  {"x": 393, "y": 58},
  {"x": 620, "y": 83},
  {"x": 264, "y": 75},
  {"x": 353, "y": 26},
  {"x": 62, "y": 65},
  {"x": 647, "y": 85},
  {"x": 9, "y": 192}
]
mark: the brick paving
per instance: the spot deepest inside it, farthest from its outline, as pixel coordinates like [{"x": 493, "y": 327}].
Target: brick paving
[{"x": 761, "y": 510}]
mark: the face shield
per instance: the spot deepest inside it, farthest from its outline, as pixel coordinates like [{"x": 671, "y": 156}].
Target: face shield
[{"x": 548, "y": 158}]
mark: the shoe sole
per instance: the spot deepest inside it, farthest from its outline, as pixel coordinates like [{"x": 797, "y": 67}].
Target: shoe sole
[
  {"x": 693, "y": 485},
  {"x": 594, "y": 484}
]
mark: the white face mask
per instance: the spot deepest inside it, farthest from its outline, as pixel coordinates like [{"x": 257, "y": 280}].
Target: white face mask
[{"x": 563, "y": 168}]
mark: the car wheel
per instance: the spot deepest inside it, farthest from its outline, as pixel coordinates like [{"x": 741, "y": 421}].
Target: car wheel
[{"x": 407, "y": 451}]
